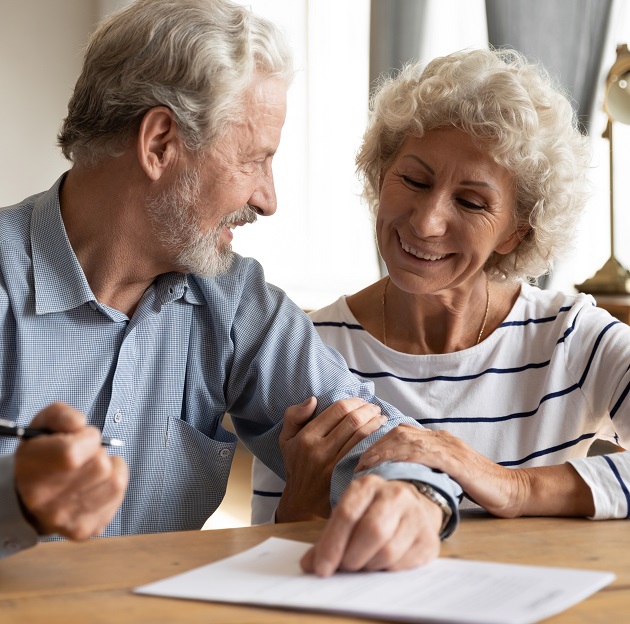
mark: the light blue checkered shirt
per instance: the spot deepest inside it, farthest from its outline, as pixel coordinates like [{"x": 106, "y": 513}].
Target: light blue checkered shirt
[{"x": 162, "y": 380}]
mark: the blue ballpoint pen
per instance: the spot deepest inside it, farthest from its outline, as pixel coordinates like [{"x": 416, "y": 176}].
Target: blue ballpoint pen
[{"x": 8, "y": 428}]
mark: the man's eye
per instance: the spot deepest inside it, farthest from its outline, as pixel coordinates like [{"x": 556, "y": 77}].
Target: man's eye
[{"x": 414, "y": 183}]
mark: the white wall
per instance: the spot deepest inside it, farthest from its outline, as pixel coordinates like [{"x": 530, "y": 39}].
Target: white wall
[
  {"x": 319, "y": 218},
  {"x": 41, "y": 47},
  {"x": 320, "y": 225}
]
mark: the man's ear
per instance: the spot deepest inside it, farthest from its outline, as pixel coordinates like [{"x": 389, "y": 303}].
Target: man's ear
[
  {"x": 157, "y": 142},
  {"x": 512, "y": 242}
]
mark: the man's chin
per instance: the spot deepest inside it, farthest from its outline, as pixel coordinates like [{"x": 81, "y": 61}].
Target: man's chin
[{"x": 219, "y": 264}]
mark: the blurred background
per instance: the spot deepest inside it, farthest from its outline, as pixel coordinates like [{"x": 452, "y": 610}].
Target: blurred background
[{"x": 319, "y": 244}]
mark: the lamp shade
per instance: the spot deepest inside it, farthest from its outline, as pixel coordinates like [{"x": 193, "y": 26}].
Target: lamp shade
[{"x": 617, "y": 98}]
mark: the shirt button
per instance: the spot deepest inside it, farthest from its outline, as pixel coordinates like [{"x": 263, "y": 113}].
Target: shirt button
[
  {"x": 224, "y": 452},
  {"x": 117, "y": 416}
]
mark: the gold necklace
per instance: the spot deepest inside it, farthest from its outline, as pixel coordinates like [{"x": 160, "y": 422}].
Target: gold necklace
[
  {"x": 483, "y": 324},
  {"x": 485, "y": 316},
  {"x": 383, "y": 310}
]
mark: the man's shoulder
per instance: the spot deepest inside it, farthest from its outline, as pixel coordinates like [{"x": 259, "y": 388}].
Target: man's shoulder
[
  {"x": 240, "y": 271},
  {"x": 15, "y": 220},
  {"x": 241, "y": 296},
  {"x": 244, "y": 281},
  {"x": 24, "y": 205}
]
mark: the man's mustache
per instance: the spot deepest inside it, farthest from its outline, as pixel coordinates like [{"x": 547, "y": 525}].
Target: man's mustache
[{"x": 246, "y": 214}]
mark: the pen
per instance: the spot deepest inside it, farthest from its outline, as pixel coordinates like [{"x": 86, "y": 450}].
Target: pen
[{"x": 8, "y": 428}]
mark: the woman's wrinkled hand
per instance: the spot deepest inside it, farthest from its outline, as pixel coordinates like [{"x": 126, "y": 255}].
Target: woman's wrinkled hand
[{"x": 500, "y": 491}]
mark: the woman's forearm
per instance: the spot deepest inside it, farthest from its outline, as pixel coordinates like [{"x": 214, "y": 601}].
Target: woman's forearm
[{"x": 555, "y": 491}]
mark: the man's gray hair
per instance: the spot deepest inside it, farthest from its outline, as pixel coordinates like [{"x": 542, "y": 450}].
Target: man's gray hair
[{"x": 196, "y": 57}]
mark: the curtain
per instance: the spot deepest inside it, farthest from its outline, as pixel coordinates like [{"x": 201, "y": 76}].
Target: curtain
[
  {"x": 320, "y": 244},
  {"x": 567, "y": 36},
  {"x": 395, "y": 34},
  {"x": 572, "y": 54},
  {"x": 395, "y": 38}
]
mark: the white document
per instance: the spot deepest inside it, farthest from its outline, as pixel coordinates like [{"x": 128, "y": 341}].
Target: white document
[{"x": 446, "y": 590}]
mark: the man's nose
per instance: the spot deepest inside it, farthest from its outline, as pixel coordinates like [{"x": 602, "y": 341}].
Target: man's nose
[{"x": 263, "y": 199}]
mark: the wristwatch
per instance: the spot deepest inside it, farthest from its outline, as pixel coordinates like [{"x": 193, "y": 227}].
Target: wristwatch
[{"x": 438, "y": 498}]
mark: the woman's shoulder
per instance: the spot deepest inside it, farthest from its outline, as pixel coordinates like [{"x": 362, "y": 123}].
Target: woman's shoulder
[
  {"x": 334, "y": 313},
  {"x": 568, "y": 313},
  {"x": 534, "y": 302}
]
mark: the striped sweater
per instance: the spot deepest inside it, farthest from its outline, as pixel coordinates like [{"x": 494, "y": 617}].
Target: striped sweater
[{"x": 549, "y": 380}]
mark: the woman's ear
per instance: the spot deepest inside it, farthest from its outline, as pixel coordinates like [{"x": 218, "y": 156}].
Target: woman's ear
[
  {"x": 157, "y": 141},
  {"x": 512, "y": 242}
]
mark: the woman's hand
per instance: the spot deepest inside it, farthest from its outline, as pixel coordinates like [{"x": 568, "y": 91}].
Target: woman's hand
[
  {"x": 540, "y": 491},
  {"x": 501, "y": 491},
  {"x": 312, "y": 448}
]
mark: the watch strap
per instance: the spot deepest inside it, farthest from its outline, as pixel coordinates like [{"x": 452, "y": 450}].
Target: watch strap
[{"x": 439, "y": 499}]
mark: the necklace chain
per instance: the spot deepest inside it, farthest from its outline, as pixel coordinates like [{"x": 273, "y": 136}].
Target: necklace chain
[
  {"x": 383, "y": 310},
  {"x": 485, "y": 316},
  {"x": 483, "y": 324}
]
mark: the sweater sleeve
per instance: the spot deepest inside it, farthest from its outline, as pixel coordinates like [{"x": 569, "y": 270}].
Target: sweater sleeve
[
  {"x": 608, "y": 476},
  {"x": 599, "y": 351}
]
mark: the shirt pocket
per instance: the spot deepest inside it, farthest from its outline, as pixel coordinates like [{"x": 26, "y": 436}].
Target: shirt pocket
[{"x": 196, "y": 472}]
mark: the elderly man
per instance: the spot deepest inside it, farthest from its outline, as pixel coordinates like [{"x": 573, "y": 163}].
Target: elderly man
[{"x": 120, "y": 297}]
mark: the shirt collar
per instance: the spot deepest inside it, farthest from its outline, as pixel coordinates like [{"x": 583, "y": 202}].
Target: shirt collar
[
  {"x": 172, "y": 286},
  {"x": 60, "y": 283}
]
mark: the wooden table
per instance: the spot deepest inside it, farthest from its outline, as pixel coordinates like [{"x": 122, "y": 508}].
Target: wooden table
[
  {"x": 617, "y": 305},
  {"x": 68, "y": 583}
]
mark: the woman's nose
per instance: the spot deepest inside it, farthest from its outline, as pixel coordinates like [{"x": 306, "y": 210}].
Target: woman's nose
[{"x": 430, "y": 215}]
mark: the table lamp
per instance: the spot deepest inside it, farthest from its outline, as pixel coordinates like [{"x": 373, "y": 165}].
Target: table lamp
[{"x": 613, "y": 278}]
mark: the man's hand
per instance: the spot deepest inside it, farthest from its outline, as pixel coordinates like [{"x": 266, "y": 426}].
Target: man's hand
[
  {"x": 311, "y": 449},
  {"x": 377, "y": 525},
  {"x": 66, "y": 482}
]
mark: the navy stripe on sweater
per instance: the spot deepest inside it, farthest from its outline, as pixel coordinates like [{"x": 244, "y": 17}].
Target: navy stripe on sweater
[
  {"x": 547, "y": 451},
  {"x": 624, "y": 487}
]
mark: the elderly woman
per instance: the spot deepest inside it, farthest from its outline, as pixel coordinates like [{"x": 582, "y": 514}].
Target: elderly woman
[{"x": 475, "y": 170}]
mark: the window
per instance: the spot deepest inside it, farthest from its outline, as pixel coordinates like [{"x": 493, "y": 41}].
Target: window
[{"x": 319, "y": 244}]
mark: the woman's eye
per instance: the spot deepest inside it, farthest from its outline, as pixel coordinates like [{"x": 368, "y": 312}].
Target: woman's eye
[
  {"x": 471, "y": 205},
  {"x": 414, "y": 183}
]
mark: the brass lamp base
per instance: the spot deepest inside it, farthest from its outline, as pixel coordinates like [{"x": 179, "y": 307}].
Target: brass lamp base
[{"x": 612, "y": 279}]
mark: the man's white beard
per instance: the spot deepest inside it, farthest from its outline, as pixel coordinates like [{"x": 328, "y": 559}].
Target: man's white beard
[{"x": 177, "y": 225}]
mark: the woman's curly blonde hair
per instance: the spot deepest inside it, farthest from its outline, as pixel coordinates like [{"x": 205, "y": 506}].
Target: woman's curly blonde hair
[{"x": 511, "y": 105}]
